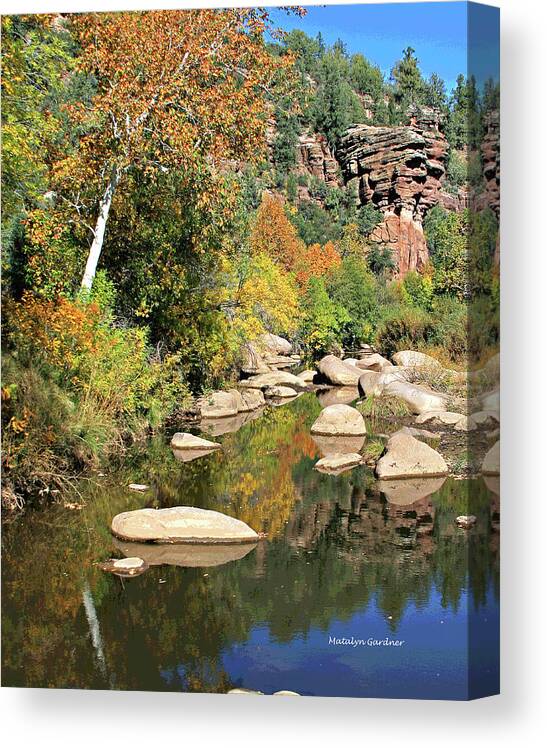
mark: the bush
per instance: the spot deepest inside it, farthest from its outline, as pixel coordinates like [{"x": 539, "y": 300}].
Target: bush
[
  {"x": 403, "y": 327},
  {"x": 76, "y": 389}
]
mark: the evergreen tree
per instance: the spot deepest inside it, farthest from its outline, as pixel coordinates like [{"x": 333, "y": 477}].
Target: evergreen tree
[{"x": 409, "y": 84}]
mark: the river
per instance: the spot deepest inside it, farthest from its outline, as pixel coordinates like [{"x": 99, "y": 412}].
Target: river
[{"x": 351, "y": 594}]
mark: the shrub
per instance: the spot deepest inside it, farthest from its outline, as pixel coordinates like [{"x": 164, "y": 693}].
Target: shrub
[
  {"x": 403, "y": 327},
  {"x": 76, "y": 389}
]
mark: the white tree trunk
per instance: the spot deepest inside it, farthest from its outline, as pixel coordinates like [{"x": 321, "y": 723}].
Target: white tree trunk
[{"x": 100, "y": 228}]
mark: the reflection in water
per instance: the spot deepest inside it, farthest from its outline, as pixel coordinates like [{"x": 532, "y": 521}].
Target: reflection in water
[
  {"x": 342, "y": 558},
  {"x": 182, "y": 554}
]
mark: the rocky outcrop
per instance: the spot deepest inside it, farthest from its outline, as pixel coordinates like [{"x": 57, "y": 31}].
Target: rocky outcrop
[
  {"x": 490, "y": 149},
  {"x": 314, "y": 157},
  {"x": 181, "y": 524},
  {"x": 399, "y": 170}
]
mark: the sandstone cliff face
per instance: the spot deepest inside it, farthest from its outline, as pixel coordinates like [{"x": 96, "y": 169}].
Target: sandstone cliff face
[
  {"x": 490, "y": 148},
  {"x": 314, "y": 157},
  {"x": 400, "y": 171}
]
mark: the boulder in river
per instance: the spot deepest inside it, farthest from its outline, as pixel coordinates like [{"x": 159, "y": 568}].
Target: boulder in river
[
  {"x": 419, "y": 399},
  {"x": 275, "y": 344},
  {"x": 307, "y": 375},
  {"x": 251, "y": 400},
  {"x": 338, "y": 463},
  {"x": 183, "y": 440},
  {"x": 444, "y": 417},
  {"x": 335, "y": 371},
  {"x": 125, "y": 567},
  {"x": 339, "y": 420},
  {"x": 406, "y": 457},
  {"x": 491, "y": 462},
  {"x": 373, "y": 362},
  {"x": 181, "y": 524},
  {"x": 220, "y": 404}
]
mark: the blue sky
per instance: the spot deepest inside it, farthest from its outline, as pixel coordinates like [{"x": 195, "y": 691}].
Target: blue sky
[{"x": 437, "y": 31}]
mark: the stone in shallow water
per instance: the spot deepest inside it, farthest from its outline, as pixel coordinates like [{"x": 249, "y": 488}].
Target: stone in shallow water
[
  {"x": 183, "y": 554},
  {"x": 339, "y": 420},
  {"x": 406, "y": 457},
  {"x": 125, "y": 567},
  {"x": 285, "y": 693},
  {"x": 182, "y": 440},
  {"x": 181, "y": 524}
]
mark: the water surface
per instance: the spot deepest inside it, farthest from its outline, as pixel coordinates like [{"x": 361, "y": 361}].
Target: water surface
[{"x": 342, "y": 561}]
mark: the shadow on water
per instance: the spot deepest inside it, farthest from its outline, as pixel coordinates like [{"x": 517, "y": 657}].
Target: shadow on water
[{"x": 341, "y": 560}]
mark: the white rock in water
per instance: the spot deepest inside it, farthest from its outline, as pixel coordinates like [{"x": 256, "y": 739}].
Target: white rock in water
[
  {"x": 406, "y": 457},
  {"x": 181, "y": 524},
  {"x": 419, "y": 399},
  {"x": 182, "y": 440},
  {"x": 220, "y": 404},
  {"x": 337, "y": 372},
  {"x": 491, "y": 462},
  {"x": 125, "y": 567},
  {"x": 339, "y": 420}
]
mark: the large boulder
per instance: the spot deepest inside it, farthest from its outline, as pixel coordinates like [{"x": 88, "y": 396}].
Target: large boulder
[
  {"x": 419, "y": 399},
  {"x": 415, "y": 360},
  {"x": 274, "y": 344},
  {"x": 252, "y": 361},
  {"x": 335, "y": 371},
  {"x": 220, "y": 404},
  {"x": 307, "y": 375},
  {"x": 183, "y": 440},
  {"x": 251, "y": 400},
  {"x": 491, "y": 462},
  {"x": 181, "y": 524},
  {"x": 273, "y": 379},
  {"x": 339, "y": 420},
  {"x": 406, "y": 457},
  {"x": 373, "y": 362}
]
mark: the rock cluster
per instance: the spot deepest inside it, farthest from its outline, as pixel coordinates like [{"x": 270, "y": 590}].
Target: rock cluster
[
  {"x": 315, "y": 157},
  {"x": 399, "y": 170}
]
